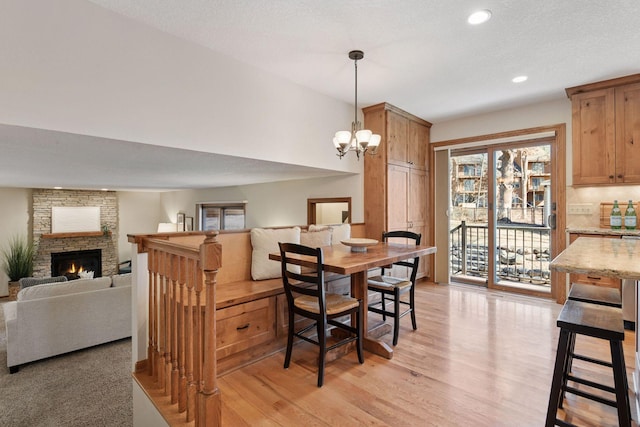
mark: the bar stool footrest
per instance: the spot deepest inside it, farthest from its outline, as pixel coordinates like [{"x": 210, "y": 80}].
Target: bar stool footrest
[
  {"x": 591, "y": 396},
  {"x": 592, "y": 360}
]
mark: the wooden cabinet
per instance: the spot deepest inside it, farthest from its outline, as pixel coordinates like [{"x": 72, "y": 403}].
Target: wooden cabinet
[
  {"x": 628, "y": 133},
  {"x": 590, "y": 279},
  {"x": 606, "y": 132},
  {"x": 396, "y": 178},
  {"x": 406, "y": 140}
]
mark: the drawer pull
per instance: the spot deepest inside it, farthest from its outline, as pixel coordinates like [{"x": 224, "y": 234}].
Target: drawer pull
[
  {"x": 594, "y": 278},
  {"x": 240, "y": 328}
]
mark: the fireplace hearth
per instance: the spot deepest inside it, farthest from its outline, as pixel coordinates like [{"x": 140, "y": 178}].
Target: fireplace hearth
[{"x": 71, "y": 263}]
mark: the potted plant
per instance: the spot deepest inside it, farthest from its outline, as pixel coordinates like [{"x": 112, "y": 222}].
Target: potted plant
[{"x": 18, "y": 258}]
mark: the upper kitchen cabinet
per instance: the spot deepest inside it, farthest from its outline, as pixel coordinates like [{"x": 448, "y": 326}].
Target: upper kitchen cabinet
[{"x": 606, "y": 131}]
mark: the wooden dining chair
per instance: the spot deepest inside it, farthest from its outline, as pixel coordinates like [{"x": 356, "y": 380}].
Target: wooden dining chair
[
  {"x": 394, "y": 287},
  {"x": 307, "y": 297}
]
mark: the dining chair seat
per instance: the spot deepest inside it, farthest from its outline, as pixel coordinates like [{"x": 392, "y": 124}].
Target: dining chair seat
[
  {"x": 388, "y": 282},
  {"x": 334, "y": 303},
  {"x": 307, "y": 297},
  {"x": 393, "y": 288}
]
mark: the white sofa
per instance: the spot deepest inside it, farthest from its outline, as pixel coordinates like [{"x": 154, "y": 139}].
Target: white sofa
[{"x": 52, "y": 319}]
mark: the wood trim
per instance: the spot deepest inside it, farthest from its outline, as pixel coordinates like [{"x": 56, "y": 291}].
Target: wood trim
[
  {"x": 605, "y": 84},
  {"x": 311, "y": 203},
  {"x": 75, "y": 234},
  {"x": 558, "y": 288},
  {"x": 493, "y": 136}
]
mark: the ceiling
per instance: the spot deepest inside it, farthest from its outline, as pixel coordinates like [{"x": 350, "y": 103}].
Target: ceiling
[{"x": 420, "y": 55}]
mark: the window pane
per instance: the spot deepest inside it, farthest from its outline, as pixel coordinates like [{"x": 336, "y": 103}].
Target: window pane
[
  {"x": 233, "y": 218},
  {"x": 210, "y": 218}
]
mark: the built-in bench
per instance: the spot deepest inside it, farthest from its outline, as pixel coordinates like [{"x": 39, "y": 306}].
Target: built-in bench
[{"x": 251, "y": 315}]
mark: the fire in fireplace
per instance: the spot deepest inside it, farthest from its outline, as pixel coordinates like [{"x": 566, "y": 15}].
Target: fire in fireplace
[{"x": 72, "y": 263}]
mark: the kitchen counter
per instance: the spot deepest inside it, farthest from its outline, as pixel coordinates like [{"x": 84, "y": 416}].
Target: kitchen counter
[
  {"x": 603, "y": 231},
  {"x": 605, "y": 257}
]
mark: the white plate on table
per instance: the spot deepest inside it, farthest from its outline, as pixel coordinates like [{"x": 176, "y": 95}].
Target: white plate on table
[{"x": 359, "y": 244}]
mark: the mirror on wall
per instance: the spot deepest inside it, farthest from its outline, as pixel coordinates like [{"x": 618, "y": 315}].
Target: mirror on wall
[{"x": 329, "y": 210}]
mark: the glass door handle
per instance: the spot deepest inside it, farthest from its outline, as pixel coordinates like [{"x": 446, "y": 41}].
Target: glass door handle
[{"x": 552, "y": 221}]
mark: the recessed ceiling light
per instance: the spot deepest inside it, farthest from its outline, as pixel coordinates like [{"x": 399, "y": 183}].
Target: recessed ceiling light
[
  {"x": 104, "y": 189},
  {"x": 479, "y": 17},
  {"x": 57, "y": 188},
  {"x": 519, "y": 79}
]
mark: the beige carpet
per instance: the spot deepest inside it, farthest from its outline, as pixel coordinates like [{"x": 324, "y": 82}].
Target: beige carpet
[{"x": 90, "y": 387}]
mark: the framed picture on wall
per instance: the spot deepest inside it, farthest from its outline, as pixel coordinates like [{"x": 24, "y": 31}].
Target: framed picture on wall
[
  {"x": 188, "y": 223},
  {"x": 181, "y": 221}
]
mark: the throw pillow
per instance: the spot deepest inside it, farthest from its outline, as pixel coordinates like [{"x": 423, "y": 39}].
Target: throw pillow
[
  {"x": 26, "y": 282},
  {"x": 63, "y": 288},
  {"x": 265, "y": 241},
  {"x": 316, "y": 239},
  {"x": 339, "y": 232}
]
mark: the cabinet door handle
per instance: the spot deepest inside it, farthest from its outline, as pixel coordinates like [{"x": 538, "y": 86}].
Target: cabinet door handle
[
  {"x": 610, "y": 176},
  {"x": 594, "y": 278},
  {"x": 243, "y": 327},
  {"x": 619, "y": 176}
]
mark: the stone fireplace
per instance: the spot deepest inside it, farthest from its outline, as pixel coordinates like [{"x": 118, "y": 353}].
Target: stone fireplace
[{"x": 48, "y": 244}]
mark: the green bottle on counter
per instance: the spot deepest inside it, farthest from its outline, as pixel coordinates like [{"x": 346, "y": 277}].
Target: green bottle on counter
[
  {"x": 616, "y": 216},
  {"x": 630, "y": 219}
]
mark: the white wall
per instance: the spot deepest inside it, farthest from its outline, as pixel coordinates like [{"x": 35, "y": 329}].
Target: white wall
[
  {"x": 274, "y": 204},
  {"x": 138, "y": 213},
  {"x": 527, "y": 116},
  {"x": 76, "y": 67},
  {"x": 15, "y": 209}
]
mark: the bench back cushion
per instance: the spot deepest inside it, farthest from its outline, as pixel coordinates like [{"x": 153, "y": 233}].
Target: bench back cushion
[
  {"x": 265, "y": 241},
  {"x": 339, "y": 232}
]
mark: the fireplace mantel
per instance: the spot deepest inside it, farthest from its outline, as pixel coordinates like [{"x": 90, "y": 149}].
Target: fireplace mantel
[{"x": 75, "y": 234}]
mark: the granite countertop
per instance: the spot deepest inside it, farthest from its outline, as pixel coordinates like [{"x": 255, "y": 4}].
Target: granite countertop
[
  {"x": 603, "y": 231},
  {"x": 601, "y": 257}
]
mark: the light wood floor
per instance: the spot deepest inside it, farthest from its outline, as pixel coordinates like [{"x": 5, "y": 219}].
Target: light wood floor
[{"x": 478, "y": 358}]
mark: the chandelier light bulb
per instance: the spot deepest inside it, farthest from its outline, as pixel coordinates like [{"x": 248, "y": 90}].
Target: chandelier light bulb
[{"x": 358, "y": 140}]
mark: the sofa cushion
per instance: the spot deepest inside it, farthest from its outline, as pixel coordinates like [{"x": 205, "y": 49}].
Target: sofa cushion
[
  {"x": 25, "y": 282},
  {"x": 63, "y": 288},
  {"x": 265, "y": 241},
  {"x": 118, "y": 280},
  {"x": 339, "y": 232}
]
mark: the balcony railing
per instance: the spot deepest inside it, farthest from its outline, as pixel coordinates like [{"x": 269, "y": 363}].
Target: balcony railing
[{"x": 522, "y": 252}]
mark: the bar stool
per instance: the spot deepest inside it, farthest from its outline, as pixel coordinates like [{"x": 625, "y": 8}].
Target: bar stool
[
  {"x": 594, "y": 294},
  {"x": 597, "y": 321}
]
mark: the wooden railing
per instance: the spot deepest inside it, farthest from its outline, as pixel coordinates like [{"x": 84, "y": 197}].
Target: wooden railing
[{"x": 180, "y": 368}]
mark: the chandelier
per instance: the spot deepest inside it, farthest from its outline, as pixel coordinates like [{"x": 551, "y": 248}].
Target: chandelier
[{"x": 358, "y": 139}]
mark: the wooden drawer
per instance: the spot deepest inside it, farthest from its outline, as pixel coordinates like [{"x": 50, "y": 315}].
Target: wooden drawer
[
  {"x": 609, "y": 282},
  {"x": 245, "y": 325}
]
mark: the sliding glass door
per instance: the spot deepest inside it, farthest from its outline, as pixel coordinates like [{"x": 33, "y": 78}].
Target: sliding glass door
[{"x": 501, "y": 215}]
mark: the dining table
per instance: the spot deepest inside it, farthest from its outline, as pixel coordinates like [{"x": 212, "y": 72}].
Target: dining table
[
  {"x": 619, "y": 258},
  {"x": 341, "y": 259}
]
